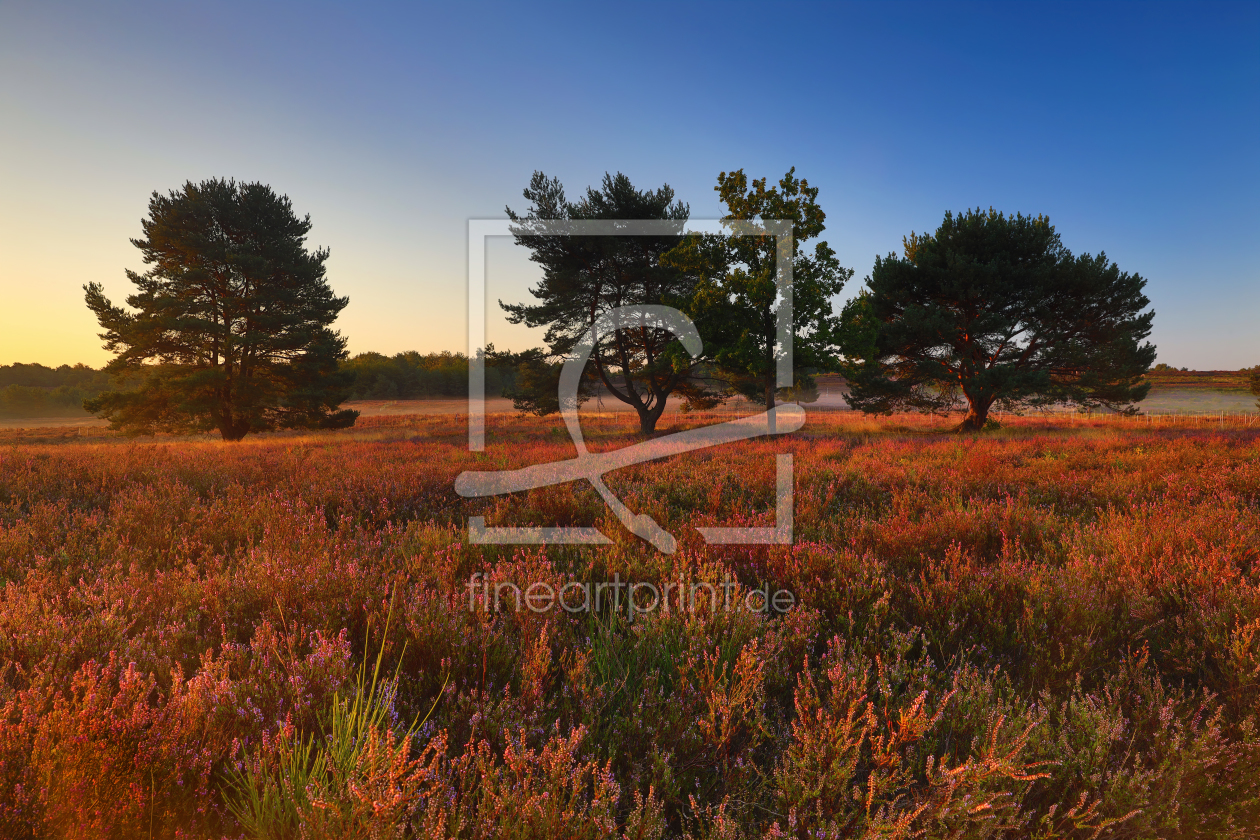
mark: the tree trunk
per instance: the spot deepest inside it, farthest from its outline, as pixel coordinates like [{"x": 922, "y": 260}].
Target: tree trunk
[
  {"x": 649, "y": 416},
  {"x": 234, "y": 432},
  {"x": 231, "y": 428},
  {"x": 977, "y": 414},
  {"x": 647, "y": 421}
]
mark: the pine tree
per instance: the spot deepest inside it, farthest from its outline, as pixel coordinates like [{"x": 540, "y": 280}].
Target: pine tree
[
  {"x": 994, "y": 310},
  {"x": 231, "y": 327}
]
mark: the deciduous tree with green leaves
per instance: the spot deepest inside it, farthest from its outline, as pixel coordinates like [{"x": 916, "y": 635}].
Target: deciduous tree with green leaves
[
  {"x": 736, "y": 300},
  {"x": 993, "y": 309},
  {"x": 232, "y": 327}
]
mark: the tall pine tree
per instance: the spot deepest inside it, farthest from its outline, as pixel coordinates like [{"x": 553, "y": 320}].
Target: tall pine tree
[
  {"x": 994, "y": 310},
  {"x": 585, "y": 277},
  {"x": 231, "y": 329}
]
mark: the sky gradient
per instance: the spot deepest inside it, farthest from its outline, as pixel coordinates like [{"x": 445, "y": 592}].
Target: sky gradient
[{"x": 1134, "y": 127}]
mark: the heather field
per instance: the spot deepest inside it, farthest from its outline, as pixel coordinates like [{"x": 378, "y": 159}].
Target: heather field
[{"x": 1050, "y": 630}]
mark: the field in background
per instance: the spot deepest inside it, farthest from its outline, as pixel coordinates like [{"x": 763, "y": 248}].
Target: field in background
[
  {"x": 1172, "y": 392},
  {"x": 1199, "y": 391},
  {"x": 1197, "y": 401},
  {"x": 1052, "y": 630}
]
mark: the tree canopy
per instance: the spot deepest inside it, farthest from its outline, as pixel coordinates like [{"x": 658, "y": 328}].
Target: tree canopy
[
  {"x": 586, "y": 277},
  {"x": 231, "y": 327},
  {"x": 736, "y": 300},
  {"x": 993, "y": 309}
]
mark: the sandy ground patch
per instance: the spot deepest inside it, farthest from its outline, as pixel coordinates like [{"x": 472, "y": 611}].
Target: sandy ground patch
[
  {"x": 1197, "y": 401},
  {"x": 830, "y": 398},
  {"x": 85, "y": 421}
]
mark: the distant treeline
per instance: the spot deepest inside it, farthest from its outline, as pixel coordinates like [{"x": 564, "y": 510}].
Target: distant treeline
[
  {"x": 40, "y": 391},
  {"x": 414, "y": 376}
]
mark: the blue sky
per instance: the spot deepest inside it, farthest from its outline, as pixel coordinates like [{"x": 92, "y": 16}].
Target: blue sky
[{"x": 1134, "y": 126}]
